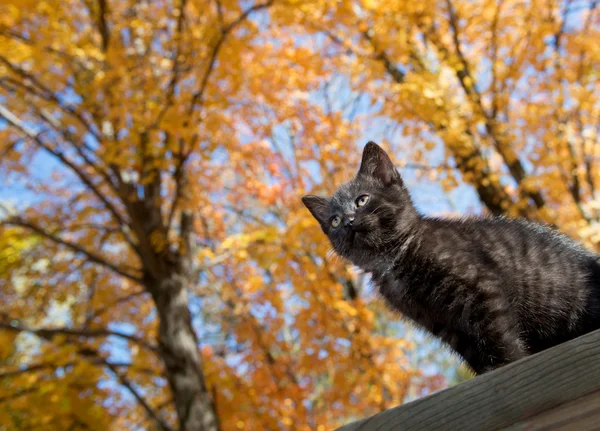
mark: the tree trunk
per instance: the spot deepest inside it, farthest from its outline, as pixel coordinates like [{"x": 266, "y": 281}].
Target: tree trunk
[
  {"x": 179, "y": 351},
  {"x": 167, "y": 275}
]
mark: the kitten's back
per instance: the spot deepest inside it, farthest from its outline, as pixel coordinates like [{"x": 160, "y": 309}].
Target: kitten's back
[{"x": 553, "y": 284}]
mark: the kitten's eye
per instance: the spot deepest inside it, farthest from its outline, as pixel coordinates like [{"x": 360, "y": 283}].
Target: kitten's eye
[
  {"x": 335, "y": 222},
  {"x": 362, "y": 200}
]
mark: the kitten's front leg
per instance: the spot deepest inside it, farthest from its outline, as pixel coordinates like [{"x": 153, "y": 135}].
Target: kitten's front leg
[
  {"x": 496, "y": 335},
  {"x": 498, "y": 341}
]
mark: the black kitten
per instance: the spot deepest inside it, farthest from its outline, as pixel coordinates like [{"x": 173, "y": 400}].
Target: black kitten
[{"x": 494, "y": 289}]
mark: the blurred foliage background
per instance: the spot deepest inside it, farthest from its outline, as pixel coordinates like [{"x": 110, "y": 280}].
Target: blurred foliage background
[{"x": 157, "y": 268}]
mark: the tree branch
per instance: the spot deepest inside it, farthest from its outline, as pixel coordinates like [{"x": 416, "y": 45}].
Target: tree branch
[
  {"x": 469, "y": 86},
  {"x": 570, "y": 174},
  {"x": 198, "y": 95},
  {"x": 50, "y": 96},
  {"x": 587, "y": 158},
  {"x": 30, "y": 369},
  {"x": 59, "y": 128},
  {"x": 395, "y": 73},
  {"x": 179, "y": 178},
  {"x": 220, "y": 13},
  {"x": 43, "y": 366},
  {"x": 18, "y": 124},
  {"x": 142, "y": 402},
  {"x": 92, "y": 257},
  {"x": 34, "y": 43},
  {"x": 49, "y": 333},
  {"x": 18, "y": 394},
  {"x": 175, "y": 69},
  {"x": 107, "y": 307},
  {"x": 103, "y": 24}
]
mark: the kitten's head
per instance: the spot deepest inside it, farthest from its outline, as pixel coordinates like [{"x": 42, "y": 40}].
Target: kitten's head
[{"x": 369, "y": 214}]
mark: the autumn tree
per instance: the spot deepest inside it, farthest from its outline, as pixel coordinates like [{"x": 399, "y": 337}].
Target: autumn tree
[
  {"x": 506, "y": 89},
  {"x": 174, "y": 280}
]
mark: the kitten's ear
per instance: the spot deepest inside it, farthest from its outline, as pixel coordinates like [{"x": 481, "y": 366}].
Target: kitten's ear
[
  {"x": 376, "y": 163},
  {"x": 318, "y": 207}
]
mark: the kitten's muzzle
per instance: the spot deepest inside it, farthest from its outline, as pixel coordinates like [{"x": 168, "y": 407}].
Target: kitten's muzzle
[{"x": 349, "y": 220}]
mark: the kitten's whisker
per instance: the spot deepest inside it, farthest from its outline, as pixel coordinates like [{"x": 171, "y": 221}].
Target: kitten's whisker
[{"x": 373, "y": 212}]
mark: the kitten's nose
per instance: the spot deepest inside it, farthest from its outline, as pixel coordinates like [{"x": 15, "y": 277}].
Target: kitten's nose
[{"x": 348, "y": 220}]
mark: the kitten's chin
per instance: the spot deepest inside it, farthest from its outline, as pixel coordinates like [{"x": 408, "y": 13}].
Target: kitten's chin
[
  {"x": 352, "y": 238},
  {"x": 362, "y": 261},
  {"x": 355, "y": 249}
]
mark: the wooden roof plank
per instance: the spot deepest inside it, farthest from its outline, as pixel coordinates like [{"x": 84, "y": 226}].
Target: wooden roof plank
[
  {"x": 581, "y": 414},
  {"x": 503, "y": 397}
]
